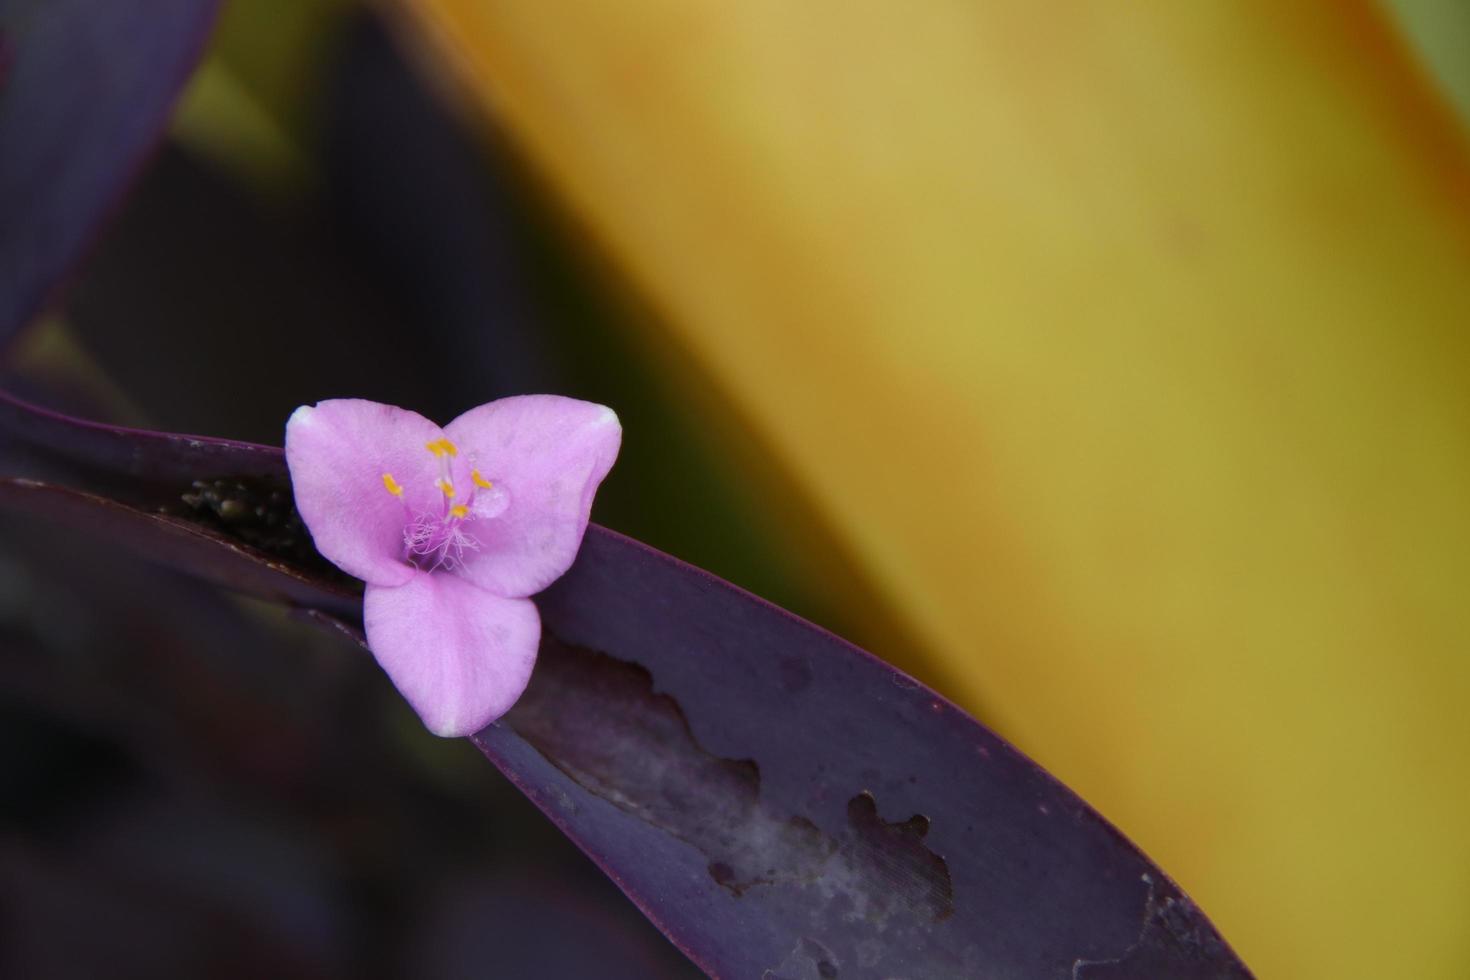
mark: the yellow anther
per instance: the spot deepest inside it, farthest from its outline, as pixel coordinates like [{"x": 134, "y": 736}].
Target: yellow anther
[
  {"x": 459, "y": 510},
  {"x": 480, "y": 481},
  {"x": 442, "y": 447},
  {"x": 391, "y": 485},
  {"x": 445, "y": 487}
]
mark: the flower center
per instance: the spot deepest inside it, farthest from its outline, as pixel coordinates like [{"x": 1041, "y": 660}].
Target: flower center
[{"x": 434, "y": 541}]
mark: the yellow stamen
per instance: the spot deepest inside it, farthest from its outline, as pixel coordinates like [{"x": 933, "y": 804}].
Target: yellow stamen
[
  {"x": 459, "y": 510},
  {"x": 442, "y": 447},
  {"x": 445, "y": 487},
  {"x": 391, "y": 485},
  {"x": 480, "y": 481}
]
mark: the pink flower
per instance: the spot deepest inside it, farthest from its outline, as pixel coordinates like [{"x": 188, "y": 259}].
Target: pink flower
[{"x": 452, "y": 529}]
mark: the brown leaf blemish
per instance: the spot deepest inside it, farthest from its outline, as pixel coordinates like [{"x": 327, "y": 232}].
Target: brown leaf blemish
[
  {"x": 598, "y": 720},
  {"x": 897, "y": 853}
]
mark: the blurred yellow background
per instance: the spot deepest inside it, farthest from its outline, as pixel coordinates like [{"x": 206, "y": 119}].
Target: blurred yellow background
[{"x": 1122, "y": 349}]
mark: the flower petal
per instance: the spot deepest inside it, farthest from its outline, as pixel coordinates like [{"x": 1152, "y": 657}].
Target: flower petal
[
  {"x": 460, "y": 655},
  {"x": 338, "y": 452},
  {"x": 549, "y": 454}
]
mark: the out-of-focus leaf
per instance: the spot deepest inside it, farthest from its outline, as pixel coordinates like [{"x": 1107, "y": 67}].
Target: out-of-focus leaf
[
  {"x": 779, "y": 802},
  {"x": 432, "y": 226},
  {"x": 85, "y": 90},
  {"x": 1126, "y": 348},
  {"x": 178, "y": 799},
  {"x": 220, "y": 311},
  {"x": 218, "y": 509},
  {"x": 179, "y": 543},
  {"x": 537, "y": 917},
  {"x": 120, "y": 458},
  {"x": 253, "y": 105}
]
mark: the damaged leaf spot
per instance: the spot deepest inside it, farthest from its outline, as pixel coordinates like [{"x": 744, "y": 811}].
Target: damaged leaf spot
[
  {"x": 810, "y": 960},
  {"x": 897, "y": 852},
  {"x": 598, "y": 720},
  {"x": 257, "y": 511}
]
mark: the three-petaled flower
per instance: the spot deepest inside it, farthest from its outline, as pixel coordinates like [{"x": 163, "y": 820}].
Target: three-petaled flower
[{"x": 452, "y": 529}]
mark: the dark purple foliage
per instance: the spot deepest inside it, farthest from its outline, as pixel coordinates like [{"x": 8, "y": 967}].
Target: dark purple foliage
[
  {"x": 178, "y": 799},
  {"x": 780, "y": 803},
  {"x": 85, "y": 88}
]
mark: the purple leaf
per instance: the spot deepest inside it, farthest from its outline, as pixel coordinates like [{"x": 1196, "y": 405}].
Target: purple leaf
[
  {"x": 780, "y": 803},
  {"x": 180, "y": 543},
  {"x": 85, "y": 90},
  {"x": 218, "y": 509},
  {"x": 786, "y": 805},
  {"x": 116, "y": 458}
]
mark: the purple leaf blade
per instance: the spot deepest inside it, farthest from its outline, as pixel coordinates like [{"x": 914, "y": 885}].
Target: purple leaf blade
[
  {"x": 85, "y": 90},
  {"x": 138, "y": 489},
  {"x": 179, "y": 543},
  {"x": 781, "y": 804},
  {"x": 118, "y": 457}
]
